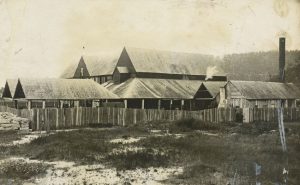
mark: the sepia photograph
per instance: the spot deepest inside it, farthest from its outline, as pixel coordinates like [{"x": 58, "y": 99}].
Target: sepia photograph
[{"x": 153, "y": 92}]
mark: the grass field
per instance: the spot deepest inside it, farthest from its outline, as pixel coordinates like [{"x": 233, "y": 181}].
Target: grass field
[{"x": 208, "y": 153}]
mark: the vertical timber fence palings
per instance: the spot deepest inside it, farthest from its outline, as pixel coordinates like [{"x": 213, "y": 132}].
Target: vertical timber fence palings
[{"x": 57, "y": 118}]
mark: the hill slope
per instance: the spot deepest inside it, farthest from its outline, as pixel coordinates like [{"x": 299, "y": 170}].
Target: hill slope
[{"x": 258, "y": 65}]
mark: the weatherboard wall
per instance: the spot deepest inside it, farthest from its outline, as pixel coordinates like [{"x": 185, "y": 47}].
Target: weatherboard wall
[{"x": 235, "y": 98}]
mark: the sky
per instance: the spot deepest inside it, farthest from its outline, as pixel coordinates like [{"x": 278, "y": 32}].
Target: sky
[{"x": 41, "y": 38}]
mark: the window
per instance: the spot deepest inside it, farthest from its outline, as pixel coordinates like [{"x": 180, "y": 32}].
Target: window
[
  {"x": 102, "y": 80},
  {"x": 81, "y": 72},
  {"x": 185, "y": 77},
  {"x": 290, "y": 103}
]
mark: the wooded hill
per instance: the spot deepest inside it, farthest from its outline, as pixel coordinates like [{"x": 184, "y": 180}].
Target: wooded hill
[
  {"x": 261, "y": 66},
  {"x": 293, "y": 73}
]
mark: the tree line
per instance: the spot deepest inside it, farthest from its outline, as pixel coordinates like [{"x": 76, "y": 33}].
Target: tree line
[{"x": 261, "y": 66}]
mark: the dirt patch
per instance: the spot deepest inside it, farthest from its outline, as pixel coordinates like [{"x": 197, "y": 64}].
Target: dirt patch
[
  {"x": 126, "y": 140},
  {"x": 26, "y": 139},
  {"x": 69, "y": 173}
]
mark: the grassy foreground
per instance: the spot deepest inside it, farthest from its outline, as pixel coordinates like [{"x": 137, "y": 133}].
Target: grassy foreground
[{"x": 209, "y": 153}]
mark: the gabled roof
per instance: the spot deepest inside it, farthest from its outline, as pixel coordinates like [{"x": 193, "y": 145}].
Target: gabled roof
[
  {"x": 213, "y": 87},
  {"x": 96, "y": 66},
  {"x": 157, "y": 61},
  {"x": 154, "y": 88},
  {"x": 10, "y": 88},
  {"x": 266, "y": 90},
  {"x": 69, "y": 72},
  {"x": 72, "y": 89}
]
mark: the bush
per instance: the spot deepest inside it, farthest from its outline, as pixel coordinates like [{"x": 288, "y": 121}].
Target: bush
[
  {"x": 81, "y": 145},
  {"x": 256, "y": 128},
  {"x": 21, "y": 169},
  {"x": 225, "y": 155},
  {"x": 85, "y": 145},
  {"x": 186, "y": 125},
  {"x": 197, "y": 170},
  {"x": 138, "y": 159},
  {"x": 7, "y": 136}
]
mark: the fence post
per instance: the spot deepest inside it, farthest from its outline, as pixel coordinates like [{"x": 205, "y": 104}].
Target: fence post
[
  {"x": 98, "y": 117},
  {"x": 47, "y": 119},
  {"x": 123, "y": 116},
  {"x": 134, "y": 116},
  {"x": 38, "y": 119}
]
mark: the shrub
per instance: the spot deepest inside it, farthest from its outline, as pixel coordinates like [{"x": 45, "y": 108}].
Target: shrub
[
  {"x": 85, "y": 145},
  {"x": 197, "y": 170},
  {"x": 21, "y": 169},
  {"x": 81, "y": 145},
  {"x": 138, "y": 159},
  {"x": 7, "y": 136},
  {"x": 256, "y": 128},
  {"x": 186, "y": 125}
]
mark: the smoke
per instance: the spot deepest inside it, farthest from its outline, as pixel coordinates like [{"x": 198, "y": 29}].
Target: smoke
[
  {"x": 210, "y": 71},
  {"x": 281, "y": 8}
]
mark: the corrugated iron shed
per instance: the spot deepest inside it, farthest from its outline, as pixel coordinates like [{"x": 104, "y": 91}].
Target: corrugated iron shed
[
  {"x": 64, "y": 89},
  {"x": 157, "y": 61},
  {"x": 147, "y": 88},
  {"x": 266, "y": 90}
]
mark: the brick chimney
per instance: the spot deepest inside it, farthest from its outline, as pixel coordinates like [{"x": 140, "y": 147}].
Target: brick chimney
[{"x": 281, "y": 59}]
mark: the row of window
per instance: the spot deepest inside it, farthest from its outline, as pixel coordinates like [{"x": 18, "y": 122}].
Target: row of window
[{"x": 240, "y": 103}]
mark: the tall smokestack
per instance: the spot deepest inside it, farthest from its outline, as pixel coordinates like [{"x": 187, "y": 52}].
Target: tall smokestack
[{"x": 281, "y": 59}]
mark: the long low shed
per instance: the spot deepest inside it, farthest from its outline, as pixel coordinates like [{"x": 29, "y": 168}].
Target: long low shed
[
  {"x": 151, "y": 93},
  {"x": 59, "y": 93},
  {"x": 251, "y": 94}
]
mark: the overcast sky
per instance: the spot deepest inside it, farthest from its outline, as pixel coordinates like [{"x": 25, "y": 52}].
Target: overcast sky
[{"x": 39, "y": 38}]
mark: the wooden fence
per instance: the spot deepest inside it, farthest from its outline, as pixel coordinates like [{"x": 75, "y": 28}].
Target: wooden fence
[
  {"x": 51, "y": 119},
  {"x": 55, "y": 118},
  {"x": 8, "y": 103},
  {"x": 24, "y": 113},
  {"x": 270, "y": 114}
]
